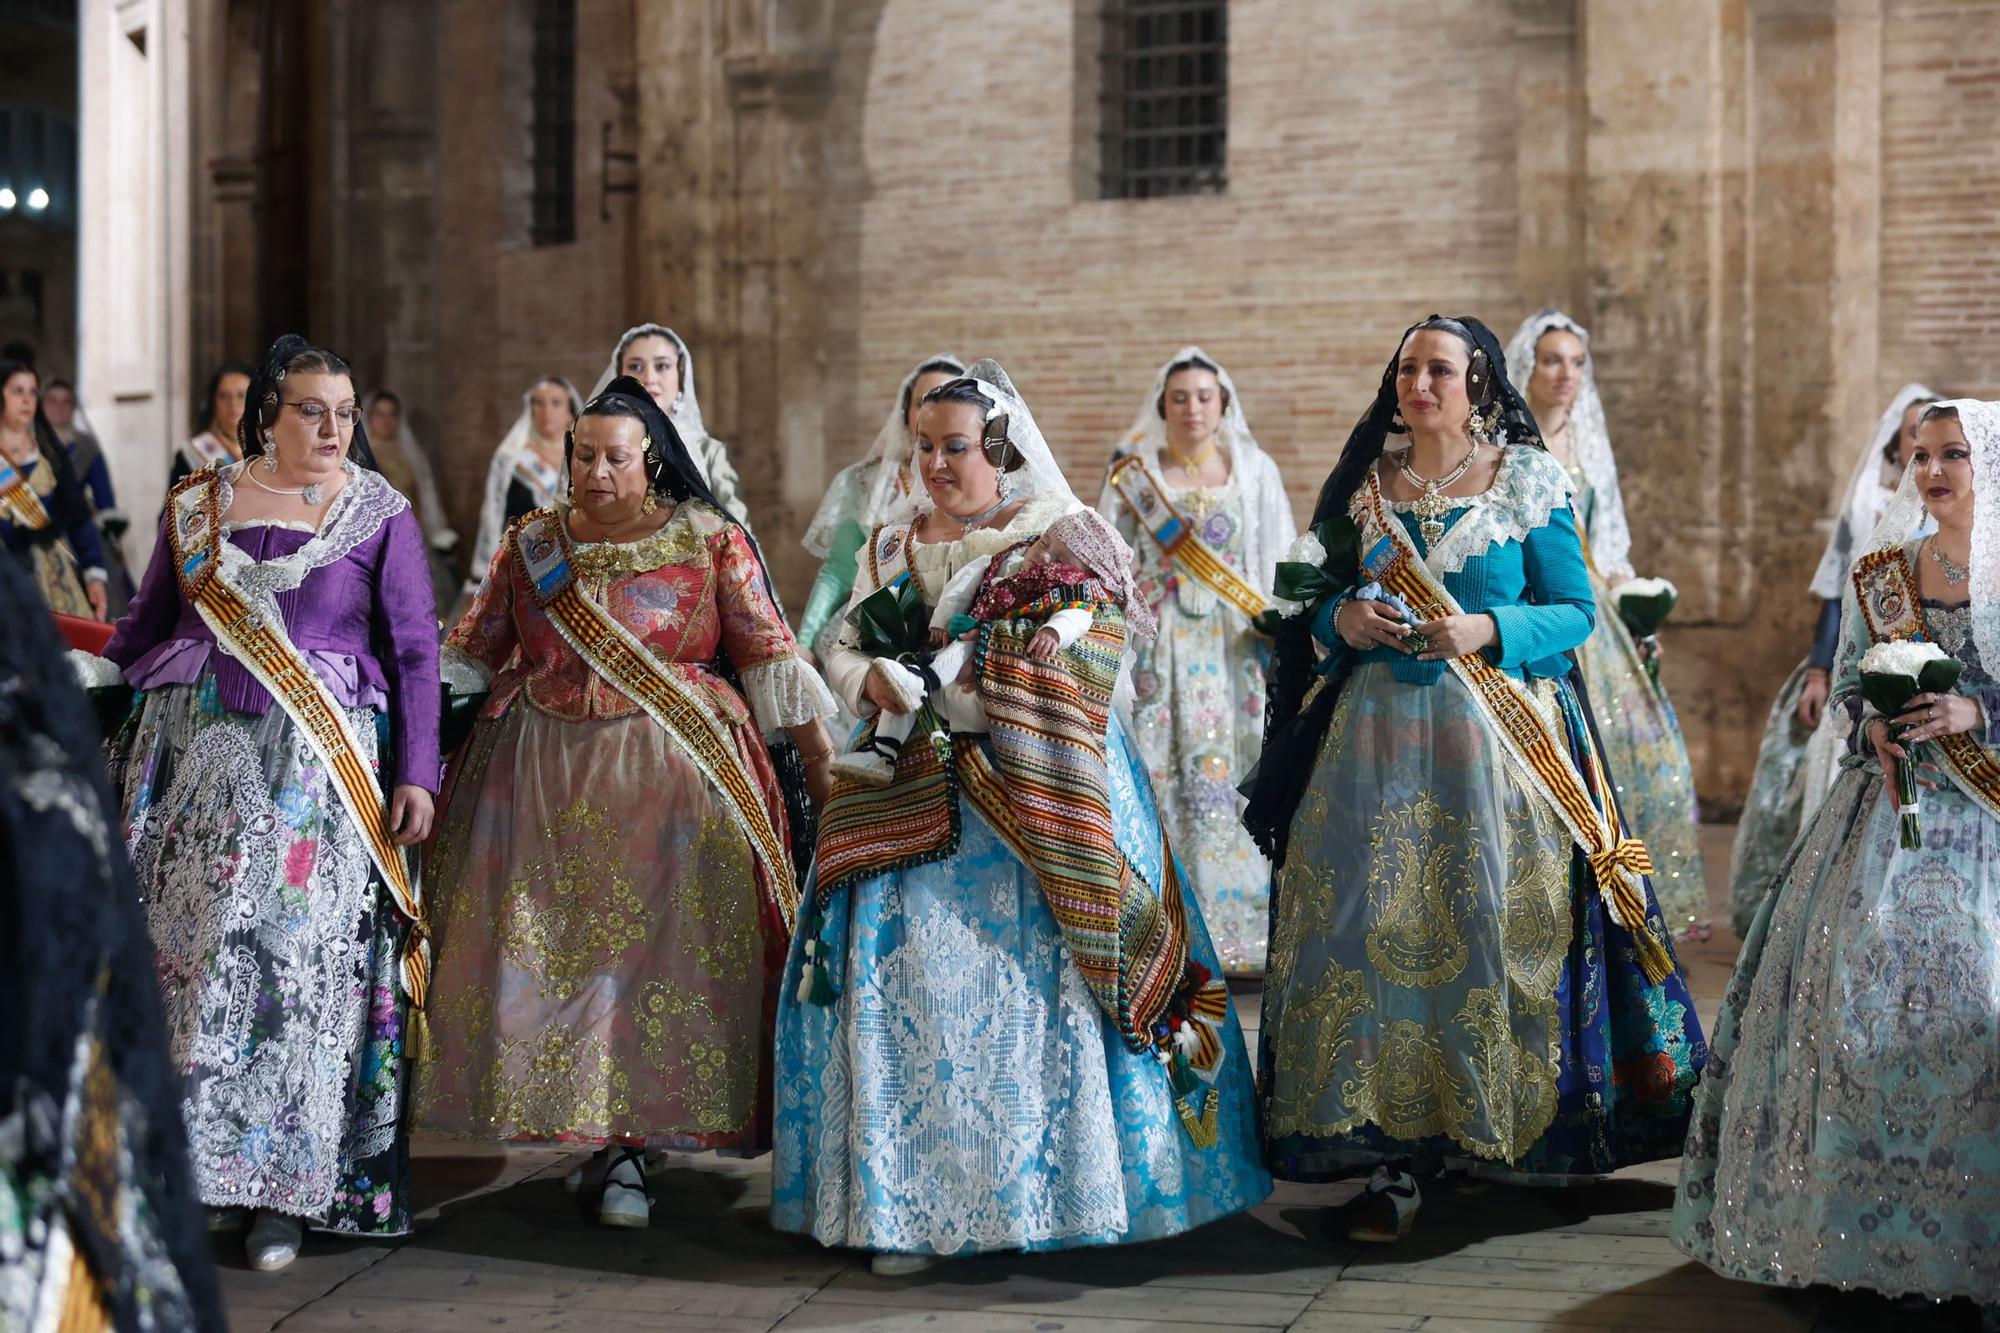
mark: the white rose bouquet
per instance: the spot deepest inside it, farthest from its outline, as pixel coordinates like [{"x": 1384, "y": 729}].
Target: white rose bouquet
[
  {"x": 1892, "y": 673},
  {"x": 1644, "y": 605}
]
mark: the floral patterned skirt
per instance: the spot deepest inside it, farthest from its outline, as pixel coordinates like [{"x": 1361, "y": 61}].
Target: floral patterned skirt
[
  {"x": 1848, "y": 1129},
  {"x": 1648, "y": 760},
  {"x": 1795, "y": 770},
  {"x": 277, "y": 948},
  {"x": 965, "y": 1093},
  {"x": 1444, "y": 979},
  {"x": 601, "y": 972}
]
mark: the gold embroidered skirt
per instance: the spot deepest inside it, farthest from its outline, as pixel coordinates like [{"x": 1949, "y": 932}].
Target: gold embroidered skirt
[
  {"x": 601, "y": 971},
  {"x": 1423, "y": 919}
]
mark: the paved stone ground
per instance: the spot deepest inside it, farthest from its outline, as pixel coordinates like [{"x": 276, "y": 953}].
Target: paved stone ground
[{"x": 500, "y": 1246}]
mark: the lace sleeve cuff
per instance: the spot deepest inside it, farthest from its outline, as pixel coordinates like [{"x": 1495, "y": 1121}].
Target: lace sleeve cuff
[
  {"x": 462, "y": 672},
  {"x": 786, "y": 693}
]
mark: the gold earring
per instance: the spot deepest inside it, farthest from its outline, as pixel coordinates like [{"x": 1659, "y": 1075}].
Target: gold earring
[{"x": 650, "y": 503}]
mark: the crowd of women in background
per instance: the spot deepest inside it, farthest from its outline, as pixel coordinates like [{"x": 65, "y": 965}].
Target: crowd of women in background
[{"x": 1412, "y": 766}]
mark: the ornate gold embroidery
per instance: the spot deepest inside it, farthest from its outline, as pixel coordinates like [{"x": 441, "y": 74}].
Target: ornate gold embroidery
[
  {"x": 1422, "y": 879},
  {"x": 1535, "y": 925},
  {"x": 719, "y": 892},
  {"x": 572, "y": 914},
  {"x": 1518, "y": 1087},
  {"x": 1410, "y": 1087},
  {"x": 679, "y": 541},
  {"x": 1311, "y": 1042}
]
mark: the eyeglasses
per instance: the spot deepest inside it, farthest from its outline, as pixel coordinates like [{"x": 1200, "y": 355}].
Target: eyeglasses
[{"x": 315, "y": 412}]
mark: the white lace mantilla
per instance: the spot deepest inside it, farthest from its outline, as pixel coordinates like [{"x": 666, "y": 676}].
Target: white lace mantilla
[
  {"x": 1529, "y": 487},
  {"x": 364, "y": 504}
]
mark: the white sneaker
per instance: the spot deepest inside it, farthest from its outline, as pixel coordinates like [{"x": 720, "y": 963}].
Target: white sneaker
[
  {"x": 866, "y": 767},
  {"x": 273, "y": 1241},
  {"x": 900, "y": 1265},
  {"x": 627, "y": 1203}
]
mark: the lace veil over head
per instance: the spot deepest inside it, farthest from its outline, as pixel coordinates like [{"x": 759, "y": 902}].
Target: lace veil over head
[
  {"x": 500, "y": 474},
  {"x": 887, "y": 496},
  {"x": 1590, "y": 439},
  {"x": 1039, "y": 476},
  {"x": 1149, "y": 428},
  {"x": 1868, "y": 487},
  {"x": 686, "y": 414},
  {"x": 1905, "y": 519}
]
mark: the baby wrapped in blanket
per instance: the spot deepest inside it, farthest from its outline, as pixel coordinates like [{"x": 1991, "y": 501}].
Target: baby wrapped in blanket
[{"x": 1061, "y": 579}]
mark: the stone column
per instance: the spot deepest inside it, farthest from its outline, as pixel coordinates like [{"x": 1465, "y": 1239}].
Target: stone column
[
  {"x": 731, "y": 249},
  {"x": 1549, "y": 111}
]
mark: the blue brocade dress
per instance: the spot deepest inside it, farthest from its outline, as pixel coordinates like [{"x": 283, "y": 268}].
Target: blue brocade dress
[
  {"x": 1444, "y": 979},
  {"x": 1848, "y": 1129},
  {"x": 965, "y": 1093}
]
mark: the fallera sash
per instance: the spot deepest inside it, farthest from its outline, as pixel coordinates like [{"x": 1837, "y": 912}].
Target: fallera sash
[
  {"x": 1177, "y": 539},
  {"x": 542, "y": 546},
  {"x": 250, "y": 628},
  {"x": 1582, "y": 800},
  {"x": 18, "y": 501},
  {"x": 1887, "y": 589}
]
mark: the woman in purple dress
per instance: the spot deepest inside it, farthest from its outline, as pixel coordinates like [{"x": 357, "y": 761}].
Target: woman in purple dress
[{"x": 285, "y": 645}]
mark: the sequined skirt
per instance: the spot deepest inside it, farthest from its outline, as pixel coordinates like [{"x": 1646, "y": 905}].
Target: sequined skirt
[
  {"x": 1848, "y": 1129},
  {"x": 1444, "y": 979},
  {"x": 601, "y": 973},
  {"x": 1795, "y": 769}
]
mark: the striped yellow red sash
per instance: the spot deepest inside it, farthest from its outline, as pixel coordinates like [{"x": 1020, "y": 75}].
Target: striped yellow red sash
[
  {"x": 542, "y": 547},
  {"x": 1177, "y": 539},
  {"x": 250, "y": 628},
  {"x": 18, "y": 501},
  {"x": 1886, "y": 587},
  {"x": 1583, "y": 800}
]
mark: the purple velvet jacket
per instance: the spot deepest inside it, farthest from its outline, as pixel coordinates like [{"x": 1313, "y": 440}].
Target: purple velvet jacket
[{"x": 366, "y": 621}]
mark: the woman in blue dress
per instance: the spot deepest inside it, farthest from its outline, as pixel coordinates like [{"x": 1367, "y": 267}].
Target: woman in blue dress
[
  {"x": 963, "y": 1063},
  {"x": 1466, "y": 957},
  {"x": 1848, "y": 1131}
]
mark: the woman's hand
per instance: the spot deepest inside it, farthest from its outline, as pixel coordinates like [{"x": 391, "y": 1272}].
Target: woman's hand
[
  {"x": 1812, "y": 699},
  {"x": 1364, "y": 625},
  {"x": 936, "y": 638},
  {"x": 1935, "y": 715},
  {"x": 100, "y": 605},
  {"x": 816, "y": 754},
  {"x": 881, "y": 695},
  {"x": 1891, "y": 756},
  {"x": 1457, "y": 636},
  {"x": 410, "y": 814}
]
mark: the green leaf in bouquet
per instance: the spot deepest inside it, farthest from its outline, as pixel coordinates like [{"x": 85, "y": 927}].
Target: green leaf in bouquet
[
  {"x": 1940, "y": 675},
  {"x": 1342, "y": 540},
  {"x": 1297, "y": 581},
  {"x": 891, "y": 620},
  {"x": 1644, "y": 613},
  {"x": 1890, "y": 694}
]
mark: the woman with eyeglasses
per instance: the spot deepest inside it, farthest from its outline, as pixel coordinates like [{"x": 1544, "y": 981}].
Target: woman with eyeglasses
[{"x": 285, "y": 752}]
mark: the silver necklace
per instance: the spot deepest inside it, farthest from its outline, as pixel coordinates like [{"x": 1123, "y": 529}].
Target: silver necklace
[
  {"x": 1954, "y": 573},
  {"x": 1431, "y": 506},
  {"x": 966, "y": 525},
  {"x": 309, "y": 493}
]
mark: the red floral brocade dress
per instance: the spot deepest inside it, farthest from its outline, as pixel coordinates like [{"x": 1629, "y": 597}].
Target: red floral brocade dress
[{"x": 607, "y": 944}]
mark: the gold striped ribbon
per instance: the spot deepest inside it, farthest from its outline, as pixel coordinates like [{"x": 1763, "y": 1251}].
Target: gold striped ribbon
[
  {"x": 255, "y": 635},
  {"x": 542, "y": 546},
  {"x": 18, "y": 500},
  {"x": 1584, "y": 802},
  {"x": 1177, "y": 539}
]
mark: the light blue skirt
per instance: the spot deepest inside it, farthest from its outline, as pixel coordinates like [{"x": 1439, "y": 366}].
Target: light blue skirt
[{"x": 965, "y": 1093}]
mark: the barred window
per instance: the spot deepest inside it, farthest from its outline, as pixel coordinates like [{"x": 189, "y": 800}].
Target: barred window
[
  {"x": 1164, "y": 97},
  {"x": 554, "y": 123}
]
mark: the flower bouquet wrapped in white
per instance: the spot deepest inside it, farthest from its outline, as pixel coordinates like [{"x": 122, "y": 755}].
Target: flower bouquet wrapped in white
[
  {"x": 1644, "y": 605},
  {"x": 1893, "y": 673}
]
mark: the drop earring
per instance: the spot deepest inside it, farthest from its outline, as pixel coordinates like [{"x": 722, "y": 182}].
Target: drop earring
[
  {"x": 651, "y": 503},
  {"x": 270, "y": 455}
]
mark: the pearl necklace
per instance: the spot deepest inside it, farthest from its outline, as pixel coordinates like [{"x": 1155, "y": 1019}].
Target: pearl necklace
[
  {"x": 1431, "y": 506},
  {"x": 309, "y": 493}
]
